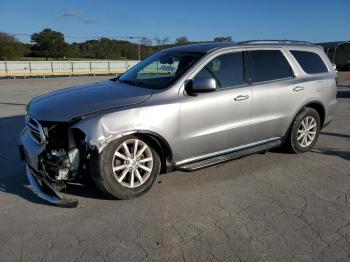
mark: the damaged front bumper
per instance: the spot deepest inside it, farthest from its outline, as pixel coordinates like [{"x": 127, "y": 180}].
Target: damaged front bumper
[
  {"x": 43, "y": 189},
  {"x": 29, "y": 152}
]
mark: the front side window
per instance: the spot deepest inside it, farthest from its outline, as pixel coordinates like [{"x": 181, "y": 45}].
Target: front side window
[
  {"x": 267, "y": 65},
  {"x": 311, "y": 62},
  {"x": 226, "y": 69},
  {"x": 161, "y": 69}
]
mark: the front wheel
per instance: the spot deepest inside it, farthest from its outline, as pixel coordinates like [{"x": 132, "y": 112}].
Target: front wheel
[
  {"x": 304, "y": 131},
  {"x": 126, "y": 168}
]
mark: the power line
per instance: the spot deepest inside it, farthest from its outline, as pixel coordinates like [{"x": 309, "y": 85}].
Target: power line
[
  {"x": 18, "y": 34},
  {"x": 97, "y": 37}
]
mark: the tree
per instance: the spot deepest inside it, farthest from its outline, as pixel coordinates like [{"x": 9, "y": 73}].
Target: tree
[
  {"x": 182, "y": 40},
  {"x": 162, "y": 41},
  {"x": 146, "y": 47},
  {"x": 106, "y": 48},
  {"x": 49, "y": 43},
  {"x": 223, "y": 39},
  {"x": 10, "y": 48},
  {"x": 145, "y": 41}
]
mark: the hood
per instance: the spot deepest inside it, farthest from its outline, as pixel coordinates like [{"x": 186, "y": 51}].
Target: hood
[{"x": 66, "y": 104}]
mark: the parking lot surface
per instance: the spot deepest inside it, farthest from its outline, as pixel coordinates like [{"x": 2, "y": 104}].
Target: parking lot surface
[{"x": 264, "y": 207}]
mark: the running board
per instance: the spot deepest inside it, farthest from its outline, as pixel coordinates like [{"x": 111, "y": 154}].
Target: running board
[{"x": 229, "y": 156}]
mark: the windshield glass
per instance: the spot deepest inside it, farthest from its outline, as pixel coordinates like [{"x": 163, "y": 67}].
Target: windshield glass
[{"x": 160, "y": 70}]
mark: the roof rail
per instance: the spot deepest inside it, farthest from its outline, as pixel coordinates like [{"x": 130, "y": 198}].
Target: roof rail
[{"x": 275, "y": 42}]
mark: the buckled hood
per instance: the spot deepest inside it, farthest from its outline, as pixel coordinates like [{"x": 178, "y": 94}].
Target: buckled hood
[{"x": 67, "y": 104}]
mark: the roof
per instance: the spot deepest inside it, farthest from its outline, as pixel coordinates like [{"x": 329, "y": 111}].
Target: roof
[
  {"x": 202, "y": 47},
  {"x": 210, "y": 46}
]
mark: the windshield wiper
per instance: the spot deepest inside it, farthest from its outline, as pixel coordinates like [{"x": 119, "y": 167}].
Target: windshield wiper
[{"x": 130, "y": 82}]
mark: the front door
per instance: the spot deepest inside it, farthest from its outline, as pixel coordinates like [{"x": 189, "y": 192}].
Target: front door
[{"x": 219, "y": 120}]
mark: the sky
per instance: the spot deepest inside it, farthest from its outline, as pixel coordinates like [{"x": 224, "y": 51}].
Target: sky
[{"x": 199, "y": 20}]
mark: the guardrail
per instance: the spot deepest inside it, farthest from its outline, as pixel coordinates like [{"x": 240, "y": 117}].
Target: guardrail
[{"x": 63, "y": 68}]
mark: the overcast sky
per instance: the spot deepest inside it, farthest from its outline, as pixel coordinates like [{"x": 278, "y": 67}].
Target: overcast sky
[{"x": 315, "y": 21}]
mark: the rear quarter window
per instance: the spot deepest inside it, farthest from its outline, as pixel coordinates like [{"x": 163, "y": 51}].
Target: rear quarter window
[{"x": 310, "y": 62}]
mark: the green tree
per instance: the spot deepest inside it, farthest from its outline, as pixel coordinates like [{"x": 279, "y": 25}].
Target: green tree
[
  {"x": 146, "y": 47},
  {"x": 49, "y": 43},
  {"x": 223, "y": 39},
  {"x": 10, "y": 48},
  {"x": 182, "y": 40},
  {"x": 146, "y": 41},
  {"x": 162, "y": 41}
]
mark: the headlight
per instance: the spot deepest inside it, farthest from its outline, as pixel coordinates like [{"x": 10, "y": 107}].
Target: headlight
[
  {"x": 28, "y": 105},
  {"x": 27, "y": 117}
]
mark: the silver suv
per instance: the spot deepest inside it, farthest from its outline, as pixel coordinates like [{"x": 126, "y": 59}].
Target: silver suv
[{"x": 182, "y": 108}]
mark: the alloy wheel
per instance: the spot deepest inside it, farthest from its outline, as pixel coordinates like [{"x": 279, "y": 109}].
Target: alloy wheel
[
  {"x": 132, "y": 163},
  {"x": 307, "y": 131}
]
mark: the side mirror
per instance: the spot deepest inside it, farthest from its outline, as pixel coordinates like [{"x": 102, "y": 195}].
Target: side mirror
[{"x": 203, "y": 85}]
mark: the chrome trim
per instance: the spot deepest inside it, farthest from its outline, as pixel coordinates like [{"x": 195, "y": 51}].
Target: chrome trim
[
  {"x": 37, "y": 129},
  {"x": 32, "y": 126},
  {"x": 272, "y": 41},
  {"x": 226, "y": 151}
]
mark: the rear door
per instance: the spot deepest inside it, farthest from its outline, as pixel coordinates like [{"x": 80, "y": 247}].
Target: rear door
[{"x": 276, "y": 92}]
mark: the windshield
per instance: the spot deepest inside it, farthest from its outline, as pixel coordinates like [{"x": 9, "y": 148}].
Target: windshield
[{"x": 160, "y": 70}]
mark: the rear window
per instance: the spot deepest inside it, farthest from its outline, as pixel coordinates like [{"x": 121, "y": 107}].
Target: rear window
[
  {"x": 269, "y": 65},
  {"x": 311, "y": 62}
]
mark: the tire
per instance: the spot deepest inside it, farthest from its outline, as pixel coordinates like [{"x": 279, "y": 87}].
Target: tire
[
  {"x": 117, "y": 184},
  {"x": 292, "y": 144}
]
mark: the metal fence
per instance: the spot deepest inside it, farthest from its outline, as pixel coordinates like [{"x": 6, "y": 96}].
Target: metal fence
[{"x": 56, "y": 68}]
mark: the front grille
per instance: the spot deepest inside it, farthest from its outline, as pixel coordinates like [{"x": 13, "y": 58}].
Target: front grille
[{"x": 35, "y": 129}]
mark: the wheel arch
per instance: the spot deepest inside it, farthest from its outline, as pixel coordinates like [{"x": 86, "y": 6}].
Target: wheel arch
[
  {"x": 317, "y": 105},
  {"x": 166, "y": 154},
  {"x": 320, "y": 109},
  {"x": 158, "y": 141}
]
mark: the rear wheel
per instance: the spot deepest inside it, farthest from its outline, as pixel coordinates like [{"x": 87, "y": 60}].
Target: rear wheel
[
  {"x": 304, "y": 131},
  {"x": 126, "y": 168}
]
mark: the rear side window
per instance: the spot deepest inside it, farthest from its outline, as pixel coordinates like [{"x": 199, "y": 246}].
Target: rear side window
[
  {"x": 311, "y": 62},
  {"x": 267, "y": 65}
]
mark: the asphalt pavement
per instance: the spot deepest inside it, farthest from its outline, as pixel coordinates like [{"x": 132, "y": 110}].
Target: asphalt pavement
[{"x": 264, "y": 207}]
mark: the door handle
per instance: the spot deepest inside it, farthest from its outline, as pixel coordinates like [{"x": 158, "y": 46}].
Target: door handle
[
  {"x": 241, "y": 97},
  {"x": 298, "y": 88}
]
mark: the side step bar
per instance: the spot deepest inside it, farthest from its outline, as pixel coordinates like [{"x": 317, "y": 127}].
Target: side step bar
[{"x": 229, "y": 156}]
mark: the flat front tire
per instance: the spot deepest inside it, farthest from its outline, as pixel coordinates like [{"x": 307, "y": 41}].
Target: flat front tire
[{"x": 126, "y": 168}]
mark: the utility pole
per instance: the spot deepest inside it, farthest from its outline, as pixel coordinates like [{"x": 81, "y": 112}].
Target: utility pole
[
  {"x": 139, "y": 46},
  {"x": 138, "y": 37}
]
